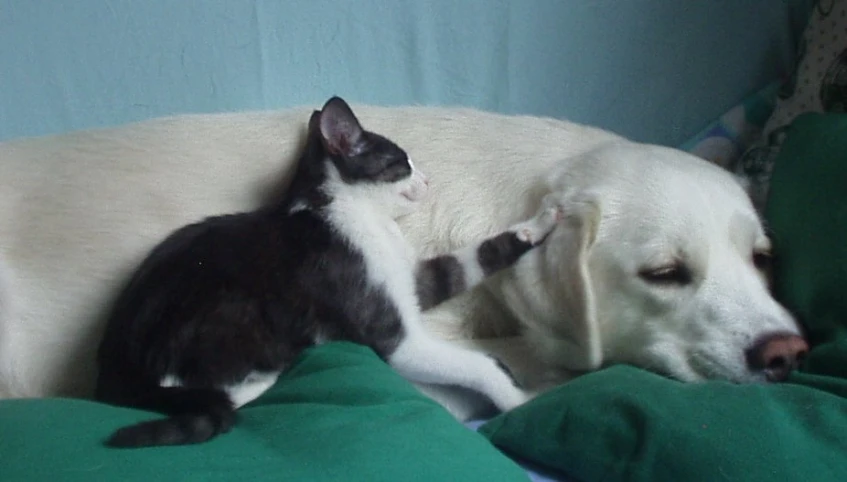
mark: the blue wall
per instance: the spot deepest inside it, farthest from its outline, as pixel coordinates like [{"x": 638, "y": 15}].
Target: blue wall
[{"x": 657, "y": 70}]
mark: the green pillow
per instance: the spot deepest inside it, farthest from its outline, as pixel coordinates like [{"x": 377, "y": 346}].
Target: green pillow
[
  {"x": 623, "y": 423},
  {"x": 807, "y": 213},
  {"x": 339, "y": 414}
]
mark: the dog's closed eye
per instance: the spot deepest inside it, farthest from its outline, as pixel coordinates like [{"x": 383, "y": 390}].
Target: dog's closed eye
[{"x": 676, "y": 274}]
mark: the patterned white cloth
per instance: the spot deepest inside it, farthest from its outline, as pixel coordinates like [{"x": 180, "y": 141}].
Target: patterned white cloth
[
  {"x": 727, "y": 138},
  {"x": 819, "y": 84}
]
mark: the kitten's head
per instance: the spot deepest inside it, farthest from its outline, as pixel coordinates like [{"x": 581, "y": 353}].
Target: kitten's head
[{"x": 364, "y": 164}]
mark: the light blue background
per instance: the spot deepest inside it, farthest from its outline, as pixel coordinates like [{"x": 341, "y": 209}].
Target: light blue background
[{"x": 656, "y": 70}]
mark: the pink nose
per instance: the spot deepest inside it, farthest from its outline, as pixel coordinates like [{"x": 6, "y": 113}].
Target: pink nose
[{"x": 776, "y": 355}]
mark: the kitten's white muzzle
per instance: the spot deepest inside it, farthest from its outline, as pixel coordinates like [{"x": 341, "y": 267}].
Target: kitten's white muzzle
[{"x": 417, "y": 189}]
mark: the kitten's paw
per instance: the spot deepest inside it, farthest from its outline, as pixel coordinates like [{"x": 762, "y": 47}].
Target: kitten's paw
[
  {"x": 512, "y": 399},
  {"x": 505, "y": 369},
  {"x": 509, "y": 396},
  {"x": 535, "y": 230}
]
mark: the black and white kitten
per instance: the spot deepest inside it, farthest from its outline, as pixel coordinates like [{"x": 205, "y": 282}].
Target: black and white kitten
[{"x": 221, "y": 307}]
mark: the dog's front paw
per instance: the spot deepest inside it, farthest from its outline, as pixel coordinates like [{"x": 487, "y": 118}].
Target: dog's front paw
[{"x": 535, "y": 230}]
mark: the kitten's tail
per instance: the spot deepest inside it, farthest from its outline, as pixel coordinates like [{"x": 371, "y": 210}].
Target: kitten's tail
[{"x": 196, "y": 415}]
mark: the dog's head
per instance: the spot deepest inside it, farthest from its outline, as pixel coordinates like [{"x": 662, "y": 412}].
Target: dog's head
[{"x": 662, "y": 263}]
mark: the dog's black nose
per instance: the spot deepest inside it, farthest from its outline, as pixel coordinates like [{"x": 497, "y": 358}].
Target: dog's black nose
[{"x": 776, "y": 355}]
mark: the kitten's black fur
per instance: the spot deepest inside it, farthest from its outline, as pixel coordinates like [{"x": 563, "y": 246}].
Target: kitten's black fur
[{"x": 235, "y": 295}]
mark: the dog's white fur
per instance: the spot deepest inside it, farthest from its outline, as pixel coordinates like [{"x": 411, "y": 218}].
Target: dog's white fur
[{"x": 79, "y": 211}]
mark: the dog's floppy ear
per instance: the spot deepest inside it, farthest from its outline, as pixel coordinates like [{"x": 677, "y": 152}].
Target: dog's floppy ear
[
  {"x": 571, "y": 278},
  {"x": 552, "y": 294}
]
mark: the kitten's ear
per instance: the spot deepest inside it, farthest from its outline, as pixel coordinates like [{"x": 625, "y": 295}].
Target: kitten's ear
[
  {"x": 314, "y": 123},
  {"x": 340, "y": 130}
]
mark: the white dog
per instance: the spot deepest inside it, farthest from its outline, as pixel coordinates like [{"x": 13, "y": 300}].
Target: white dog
[{"x": 659, "y": 263}]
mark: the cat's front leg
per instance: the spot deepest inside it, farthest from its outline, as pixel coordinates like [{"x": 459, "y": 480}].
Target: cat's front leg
[
  {"x": 443, "y": 277},
  {"x": 423, "y": 359},
  {"x": 535, "y": 230}
]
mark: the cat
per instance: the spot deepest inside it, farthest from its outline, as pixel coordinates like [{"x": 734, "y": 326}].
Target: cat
[{"x": 220, "y": 308}]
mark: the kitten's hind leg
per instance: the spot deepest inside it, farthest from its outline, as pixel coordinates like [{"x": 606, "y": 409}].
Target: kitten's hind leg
[
  {"x": 424, "y": 359},
  {"x": 251, "y": 387}
]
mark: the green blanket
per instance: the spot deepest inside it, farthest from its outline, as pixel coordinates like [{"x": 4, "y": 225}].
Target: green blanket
[
  {"x": 340, "y": 414},
  {"x": 625, "y": 424}
]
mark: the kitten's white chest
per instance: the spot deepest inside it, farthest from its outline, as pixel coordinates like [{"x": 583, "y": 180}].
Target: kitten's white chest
[
  {"x": 389, "y": 258},
  {"x": 383, "y": 245}
]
